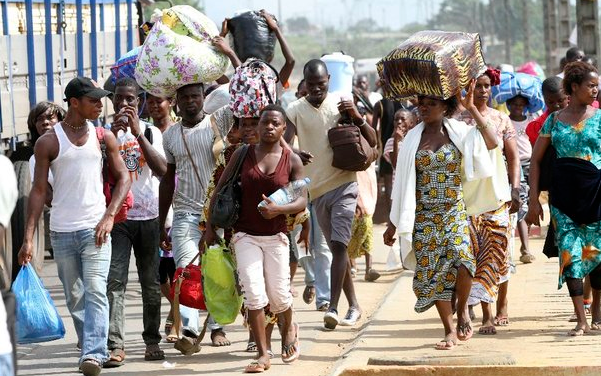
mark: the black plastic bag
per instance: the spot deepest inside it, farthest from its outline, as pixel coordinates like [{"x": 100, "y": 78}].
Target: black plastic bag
[{"x": 252, "y": 37}]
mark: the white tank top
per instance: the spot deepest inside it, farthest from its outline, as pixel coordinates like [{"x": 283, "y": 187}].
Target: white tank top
[{"x": 78, "y": 202}]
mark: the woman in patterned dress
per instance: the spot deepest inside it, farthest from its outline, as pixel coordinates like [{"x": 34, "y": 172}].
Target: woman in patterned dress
[
  {"x": 445, "y": 264},
  {"x": 491, "y": 231},
  {"x": 575, "y": 132}
]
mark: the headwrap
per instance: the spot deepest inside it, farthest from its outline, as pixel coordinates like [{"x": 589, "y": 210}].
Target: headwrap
[{"x": 494, "y": 75}]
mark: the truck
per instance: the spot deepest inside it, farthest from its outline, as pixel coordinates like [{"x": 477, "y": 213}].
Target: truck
[{"x": 44, "y": 44}]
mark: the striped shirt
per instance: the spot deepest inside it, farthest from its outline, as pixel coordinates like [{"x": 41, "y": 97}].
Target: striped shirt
[{"x": 190, "y": 195}]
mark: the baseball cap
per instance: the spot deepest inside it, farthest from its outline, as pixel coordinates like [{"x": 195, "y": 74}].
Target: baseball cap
[{"x": 83, "y": 86}]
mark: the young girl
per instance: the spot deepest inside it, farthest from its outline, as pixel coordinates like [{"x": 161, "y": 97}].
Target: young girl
[
  {"x": 259, "y": 241},
  {"x": 517, "y": 106}
]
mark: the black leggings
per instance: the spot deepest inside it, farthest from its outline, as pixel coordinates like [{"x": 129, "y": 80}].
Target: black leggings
[{"x": 576, "y": 287}]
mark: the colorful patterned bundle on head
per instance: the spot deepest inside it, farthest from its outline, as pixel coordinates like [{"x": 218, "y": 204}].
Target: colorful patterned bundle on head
[
  {"x": 252, "y": 87},
  {"x": 432, "y": 63},
  {"x": 178, "y": 52},
  {"x": 126, "y": 65}
]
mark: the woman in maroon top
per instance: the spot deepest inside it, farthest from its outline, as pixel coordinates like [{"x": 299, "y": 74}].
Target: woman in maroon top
[{"x": 260, "y": 241}]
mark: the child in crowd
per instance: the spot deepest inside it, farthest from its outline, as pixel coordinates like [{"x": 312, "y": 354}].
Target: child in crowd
[{"x": 517, "y": 108}]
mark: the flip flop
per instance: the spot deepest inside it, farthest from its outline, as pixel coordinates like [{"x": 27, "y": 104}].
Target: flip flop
[
  {"x": 465, "y": 331},
  {"x": 295, "y": 346},
  {"x": 487, "y": 330},
  {"x": 596, "y": 325},
  {"x": 116, "y": 358},
  {"x": 251, "y": 346},
  {"x": 168, "y": 326},
  {"x": 309, "y": 294},
  {"x": 577, "y": 332},
  {"x": 501, "y": 320},
  {"x": 445, "y": 344},
  {"x": 256, "y": 367}
]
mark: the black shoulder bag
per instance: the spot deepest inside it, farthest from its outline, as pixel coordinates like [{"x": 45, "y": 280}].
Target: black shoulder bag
[{"x": 227, "y": 201}]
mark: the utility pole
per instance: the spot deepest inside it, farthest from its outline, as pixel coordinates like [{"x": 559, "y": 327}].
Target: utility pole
[
  {"x": 565, "y": 24},
  {"x": 525, "y": 20},
  {"x": 508, "y": 32},
  {"x": 551, "y": 26},
  {"x": 587, "y": 23}
]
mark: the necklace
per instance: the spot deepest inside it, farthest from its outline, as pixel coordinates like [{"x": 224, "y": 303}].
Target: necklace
[
  {"x": 186, "y": 124},
  {"x": 73, "y": 127}
]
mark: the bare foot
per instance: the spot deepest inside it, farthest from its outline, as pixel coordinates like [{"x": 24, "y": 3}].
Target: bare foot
[{"x": 218, "y": 338}]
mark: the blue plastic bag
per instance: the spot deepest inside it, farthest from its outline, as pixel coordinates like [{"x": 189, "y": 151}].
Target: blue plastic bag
[
  {"x": 37, "y": 317},
  {"x": 513, "y": 84}
]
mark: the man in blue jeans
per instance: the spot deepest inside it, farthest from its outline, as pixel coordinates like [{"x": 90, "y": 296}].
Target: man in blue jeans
[
  {"x": 317, "y": 267},
  {"x": 80, "y": 223},
  {"x": 190, "y": 147},
  {"x": 141, "y": 148}
]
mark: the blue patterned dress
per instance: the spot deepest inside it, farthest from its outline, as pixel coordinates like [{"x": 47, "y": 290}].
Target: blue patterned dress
[
  {"x": 579, "y": 245},
  {"x": 441, "y": 239}
]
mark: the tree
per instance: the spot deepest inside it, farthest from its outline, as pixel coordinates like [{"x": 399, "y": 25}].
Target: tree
[{"x": 298, "y": 25}]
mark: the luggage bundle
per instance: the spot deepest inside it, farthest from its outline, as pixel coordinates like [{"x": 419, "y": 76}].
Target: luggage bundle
[
  {"x": 526, "y": 85},
  {"x": 178, "y": 52},
  {"x": 432, "y": 63},
  {"x": 251, "y": 36},
  {"x": 126, "y": 65}
]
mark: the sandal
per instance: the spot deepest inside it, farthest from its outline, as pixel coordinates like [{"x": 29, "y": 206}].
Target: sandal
[
  {"x": 256, "y": 367},
  {"x": 577, "y": 332},
  {"x": 309, "y": 294},
  {"x": 445, "y": 344},
  {"x": 372, "y": 275},
  {"x": 116, "y": 358},
  {"x": 251, "y": 346},
  {"x": 154, "y": 352},
  {"x": 596, "y": 325},
  {"x": 291, "y": 351},
  {"x": 501, "y": 320},
  {"x": 487, "y": 330},
  {"x": 90, "y": 367},
  {"x": 168, "y": 326},
  {"x": 465, "y": 331},
  {"x": 171, "y": 338}
]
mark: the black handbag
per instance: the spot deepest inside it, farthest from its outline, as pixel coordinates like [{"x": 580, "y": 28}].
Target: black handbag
[{"x": 224, "y": 212}]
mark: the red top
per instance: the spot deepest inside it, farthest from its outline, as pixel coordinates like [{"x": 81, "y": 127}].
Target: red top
[
  {"x": 534, "y": 127},
  {"x": 254, "y": 184}
]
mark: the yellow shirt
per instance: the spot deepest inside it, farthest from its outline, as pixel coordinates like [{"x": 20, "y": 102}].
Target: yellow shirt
[{"x": 312, "y": 125}]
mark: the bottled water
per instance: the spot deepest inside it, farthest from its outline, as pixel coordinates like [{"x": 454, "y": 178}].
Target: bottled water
[{"x": 289, "y": 193}]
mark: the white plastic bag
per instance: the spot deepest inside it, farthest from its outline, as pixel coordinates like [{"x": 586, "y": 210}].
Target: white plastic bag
[{"x": 393, "y": 262}]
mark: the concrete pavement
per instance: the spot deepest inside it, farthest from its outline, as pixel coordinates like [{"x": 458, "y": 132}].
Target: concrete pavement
[
  {"x": 320, "y": 350},
  {"x": 535, "y": 342}
]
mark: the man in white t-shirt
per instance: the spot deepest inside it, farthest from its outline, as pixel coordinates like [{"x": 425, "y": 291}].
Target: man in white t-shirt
[
  {"x": 141, "y": 148},
  {"x": 8, "y": 200}
]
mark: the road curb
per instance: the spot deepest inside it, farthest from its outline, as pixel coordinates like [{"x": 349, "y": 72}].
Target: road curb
[{"x": 340, "y": 365}]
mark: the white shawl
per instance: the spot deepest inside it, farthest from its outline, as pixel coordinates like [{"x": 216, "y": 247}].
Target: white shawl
[{"x": 483, "y": 175}]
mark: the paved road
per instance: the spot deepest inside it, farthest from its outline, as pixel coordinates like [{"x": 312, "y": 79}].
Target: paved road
[{"x": 320, "y": 350}]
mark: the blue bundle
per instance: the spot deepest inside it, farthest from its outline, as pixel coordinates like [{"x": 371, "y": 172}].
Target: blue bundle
[
  {"x": 514, "y": 84},
  {"x": 126, "y": 65}
]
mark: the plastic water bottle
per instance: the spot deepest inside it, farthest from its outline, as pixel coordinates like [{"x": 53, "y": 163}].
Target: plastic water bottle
[{"x": 287, "y": 194}]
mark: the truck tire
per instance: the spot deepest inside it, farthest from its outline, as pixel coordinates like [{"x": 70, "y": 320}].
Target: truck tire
[
  {"x": 18, "y": 222},
  {"x": 6, "y": 245}
]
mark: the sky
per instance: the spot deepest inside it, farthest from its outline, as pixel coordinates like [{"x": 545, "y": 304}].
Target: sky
[{"x": 337, "y": 13}]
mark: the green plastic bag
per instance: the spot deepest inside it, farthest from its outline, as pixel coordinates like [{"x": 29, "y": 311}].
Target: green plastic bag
[{"x": 219, "y": 284}]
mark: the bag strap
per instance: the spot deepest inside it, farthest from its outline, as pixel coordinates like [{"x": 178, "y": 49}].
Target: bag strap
[
  {"x": 239, "y": 162},
  {"x": 177, "y": 317},
  {"x": 195, "y": 168},
  {"x": 218, "y": 143}
]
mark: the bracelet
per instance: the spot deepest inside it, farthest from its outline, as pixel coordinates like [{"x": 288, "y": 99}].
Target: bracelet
[
  {"x": 138, "y": 136},
  {"x": 362, "y": 124},
  {"x": 486, "y": 125}
]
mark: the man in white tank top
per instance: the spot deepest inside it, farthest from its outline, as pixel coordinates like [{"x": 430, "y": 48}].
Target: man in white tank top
[
  {"x": 80, "y": 222},
  {"x": 141, "y": 148}
]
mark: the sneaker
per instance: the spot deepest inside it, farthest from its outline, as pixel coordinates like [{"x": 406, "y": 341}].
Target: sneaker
[
  {"x": 330, "y": 320},
  {"x": 324, "y": 307},
  {"x": 352, "y": 315}
]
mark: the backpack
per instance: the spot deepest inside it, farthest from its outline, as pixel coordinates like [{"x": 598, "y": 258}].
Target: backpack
[
  {"x": 108, "y": 182},
  {"x": 252, "y": 88}
]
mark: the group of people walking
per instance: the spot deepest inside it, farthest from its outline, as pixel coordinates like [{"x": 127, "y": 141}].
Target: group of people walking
[{"x": 151, "y": 188}]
